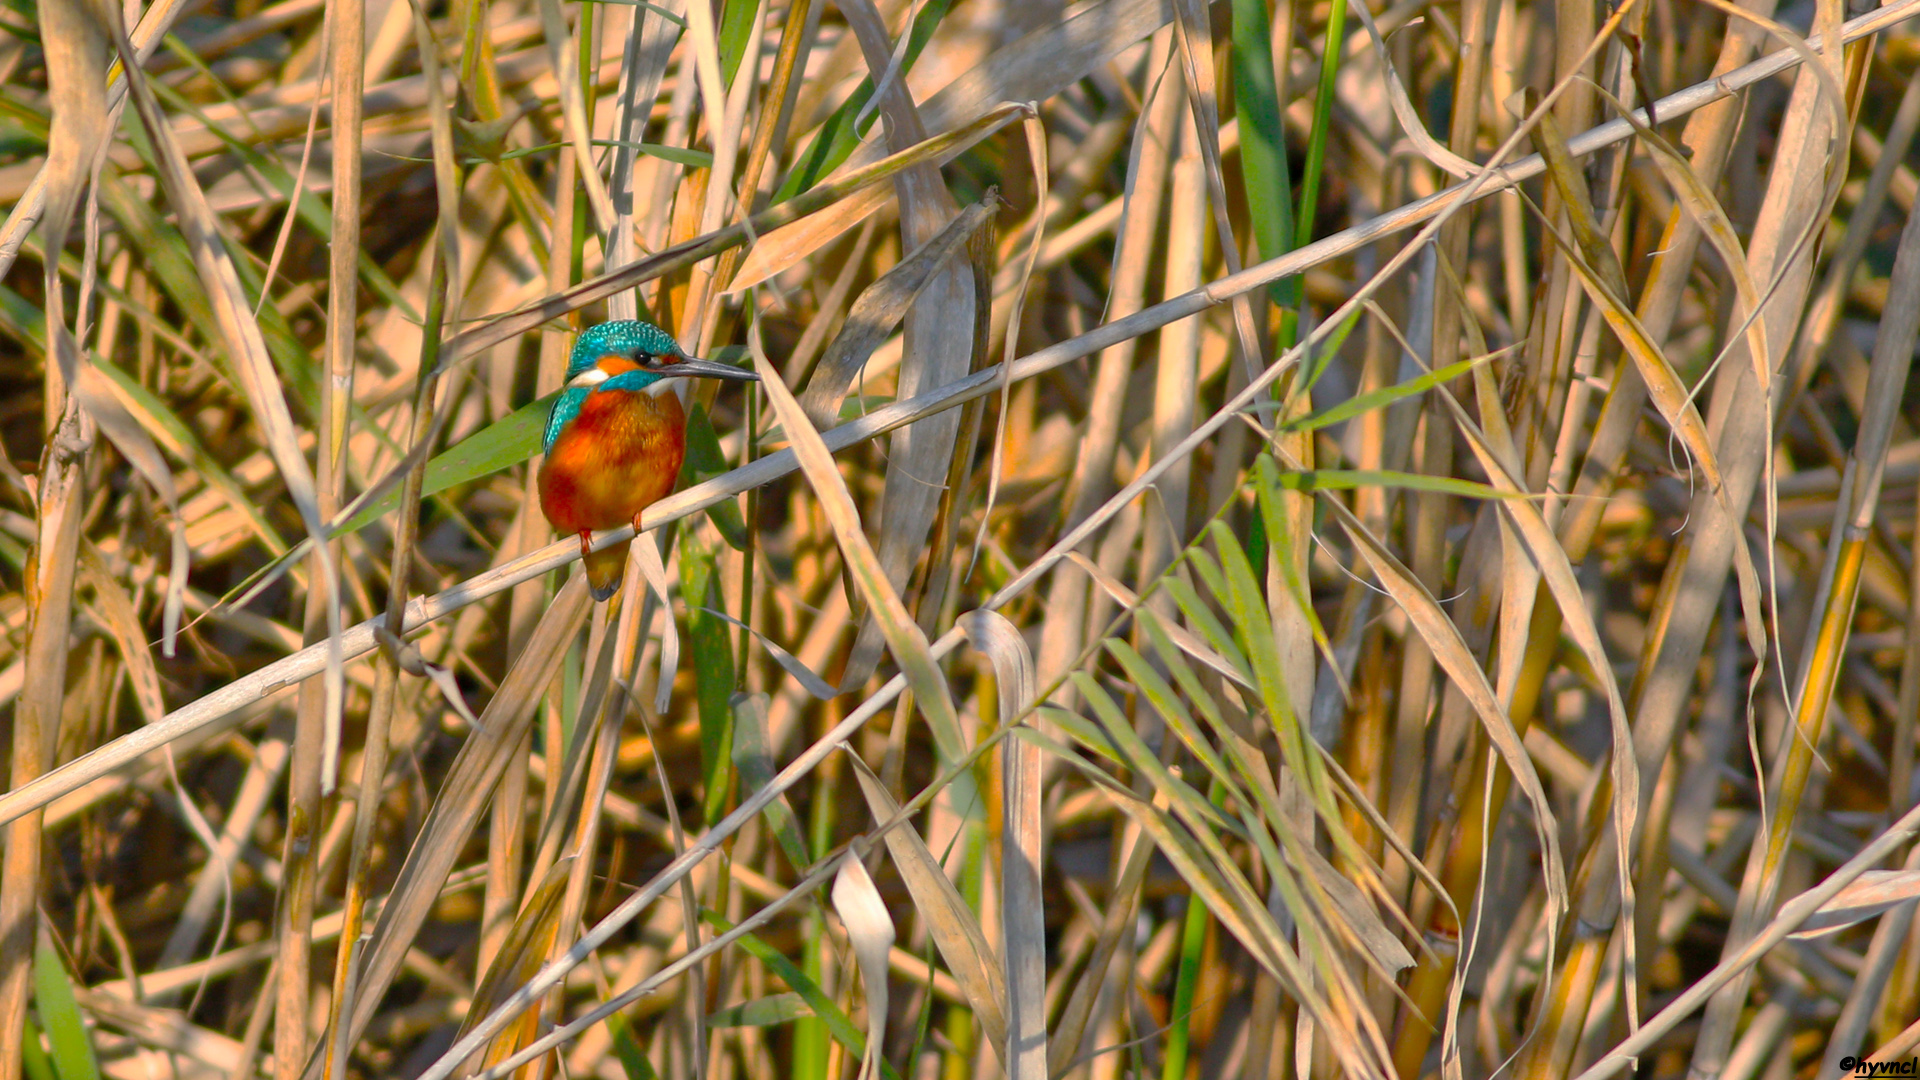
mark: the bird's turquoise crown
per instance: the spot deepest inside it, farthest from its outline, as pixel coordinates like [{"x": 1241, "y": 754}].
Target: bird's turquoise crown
[{"x": 627, "y": 337}]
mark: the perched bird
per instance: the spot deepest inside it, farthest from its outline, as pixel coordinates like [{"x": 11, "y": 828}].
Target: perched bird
[{"x": 617, "y": 435}]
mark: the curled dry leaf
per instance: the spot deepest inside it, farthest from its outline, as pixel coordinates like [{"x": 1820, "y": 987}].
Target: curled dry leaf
[
  {"x": 1023, "y": 910},
  {"x": 870, "y": 929},
  {"x": 950, "y": 922},
  {"x": 408, "y": 658}
]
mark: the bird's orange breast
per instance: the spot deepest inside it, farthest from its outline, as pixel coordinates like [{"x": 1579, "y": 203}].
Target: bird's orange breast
[{"x": 619, "y": 455}]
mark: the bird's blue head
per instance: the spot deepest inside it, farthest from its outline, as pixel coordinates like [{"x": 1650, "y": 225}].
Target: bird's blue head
[
  {"x": 627, "y": 356},
  {"x": 625, "y": 344}
]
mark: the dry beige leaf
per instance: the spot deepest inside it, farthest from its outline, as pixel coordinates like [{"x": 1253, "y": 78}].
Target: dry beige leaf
[
  {"x": 102, "y": 402},
  {"x": 902, "y": 634},
  {"x": 526, "y": 947},
  {"x": 788, "y": 244},
  {"x": 1443, "y": 639},
  {"x": 1874, "y": 892},
  {"x": 76, "y": 48},
  {"x": 880, "y": 307},
  {"x": 937, "y": 344},
  {"x": 1359, "y": 913},
  {"x": 466, "y": 793},
  {"x": 504, "y": 327},
  {"x": 646, "y": 552},
  {"x": 123, "y": 623}
]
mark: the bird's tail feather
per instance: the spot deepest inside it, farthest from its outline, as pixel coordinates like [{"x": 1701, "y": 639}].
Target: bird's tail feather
[{"x": 604, "y": 569}]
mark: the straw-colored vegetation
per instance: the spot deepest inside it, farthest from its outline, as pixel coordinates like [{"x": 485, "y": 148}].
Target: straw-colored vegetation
[{"x": 1347, "y": 556}]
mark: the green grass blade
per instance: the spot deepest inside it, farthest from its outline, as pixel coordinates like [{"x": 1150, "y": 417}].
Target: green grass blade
[
  {"x": 761, "y": 1012},
  {"x": 679, "y": 155},
  {"x": 1081, "y": 730},
  {"x": 1200, "y": 615},
  {"x": 1321, "y": 131},
  {"x": 1263, "y": 148},
  {"x": 1174, "y": 659},
  {"x": 712, "y": 650},
  {"x": 53, "y": 999},
  {"x": 705, "y": 461},
  {"x": 506, "y": 442},
  {"x": 820, "y": 1006},
  {"x": 1293, "y": 590},
  {"x": 751, "y": 757},
  {"x": 1244, "y": 600},
  {"x": 1246, "y": 758},
  {"x": 1348, "y": 479},
  {"x": 1310, "y": 172},
  {"x": 1379, "y": 399},
  {"x": 633, "y": 1060},
  {"x": 1184, "y": 800},
  {"x": 34, "y": 1059},
  {"x": 1193, "y": 942},
  {"x": 736, "y": 23},
  {"x": 1160, "y": 694},
  {"x": 839, "y": 135}
]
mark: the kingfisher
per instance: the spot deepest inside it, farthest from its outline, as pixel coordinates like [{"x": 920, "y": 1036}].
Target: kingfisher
[{"x": 616, "y": 436}]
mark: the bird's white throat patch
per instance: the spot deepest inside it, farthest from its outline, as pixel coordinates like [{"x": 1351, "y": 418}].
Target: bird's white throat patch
[{"x": 593, "y": 377}]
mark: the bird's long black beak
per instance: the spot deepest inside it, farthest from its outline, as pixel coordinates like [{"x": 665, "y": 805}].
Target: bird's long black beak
[{"x": 694, "y": 367}]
